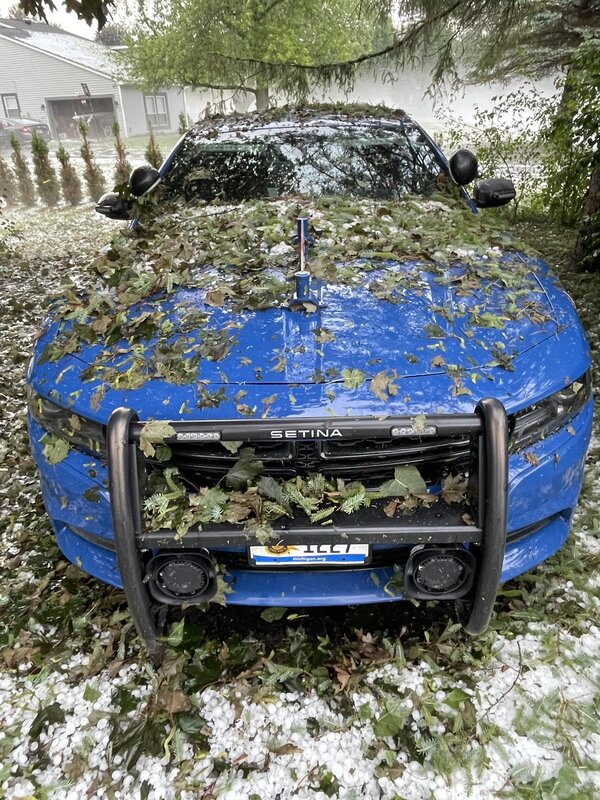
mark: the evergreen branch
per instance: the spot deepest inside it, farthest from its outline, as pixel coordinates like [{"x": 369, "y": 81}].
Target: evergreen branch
[{"x": 397, "y": 45}]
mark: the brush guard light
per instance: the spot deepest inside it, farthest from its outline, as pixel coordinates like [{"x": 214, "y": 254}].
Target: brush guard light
[
  {"x": 485, "y": 537},
  {"x": 176, "y": 578},
  {"x": 439, "y": 573}
]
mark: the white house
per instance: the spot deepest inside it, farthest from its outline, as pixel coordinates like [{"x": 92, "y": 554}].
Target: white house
[{"x": 52, "y": 76}]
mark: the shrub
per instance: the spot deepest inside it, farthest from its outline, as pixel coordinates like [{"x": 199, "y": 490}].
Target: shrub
[
  {"x": 94, "y": 179},
  {"x": 8, "y": 186},
  {"x": 69, "y": 180},
  {"x": 45, "y": 174},
  {"x": 153, "y": 155},
  {"x": 25, "y": 187},
  {"x": 506, "y": 141},
  {"x": 122, "y": 167}
]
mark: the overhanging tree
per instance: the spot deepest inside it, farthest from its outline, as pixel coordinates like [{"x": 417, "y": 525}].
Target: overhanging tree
[
  {"x": 229, "y": 45},
  {"x": 493, "y": 39},
  {"x": 88, "y": 10}
]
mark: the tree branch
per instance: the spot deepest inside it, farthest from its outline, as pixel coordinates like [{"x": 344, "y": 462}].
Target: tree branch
[
  {"x": 396, "y": 45},
  {"x": 222, "y": 86}
]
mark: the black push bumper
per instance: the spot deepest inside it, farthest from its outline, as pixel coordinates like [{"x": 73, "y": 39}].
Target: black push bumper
[{"x": 487, "y": 430}]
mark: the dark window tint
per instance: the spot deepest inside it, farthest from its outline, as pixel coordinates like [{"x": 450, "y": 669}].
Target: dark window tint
[{"x": 358, "y": 161}]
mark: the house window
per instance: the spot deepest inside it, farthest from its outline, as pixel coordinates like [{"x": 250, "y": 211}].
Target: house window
[
  {"x": 11, "y": 106},
  {"x": 157, "y": 111}
]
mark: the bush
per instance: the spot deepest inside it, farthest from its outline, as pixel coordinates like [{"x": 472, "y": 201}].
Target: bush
[
  {"x": 8, "y": 186},
  {"x": 25, "y": 187},
  {"x": 122, "y": 167},
  {"x": 45, "y": 174},
  {"x": 69, "y": 180},
  {"x": 94, "y": 179},
  {"x": 153, "y": 155},
  {"x": 507, "y": 142}
]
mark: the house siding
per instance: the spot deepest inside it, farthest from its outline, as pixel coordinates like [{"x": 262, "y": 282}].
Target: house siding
[
  {"x": 135, "y": 110},
  {"x": 36, "y": 77}
]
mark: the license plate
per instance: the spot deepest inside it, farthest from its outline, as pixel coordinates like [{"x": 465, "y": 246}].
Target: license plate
[{"x": 283, "y": 555}]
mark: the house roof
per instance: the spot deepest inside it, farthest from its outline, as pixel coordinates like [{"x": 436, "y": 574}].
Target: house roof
[{"x": 59, "y": 44}]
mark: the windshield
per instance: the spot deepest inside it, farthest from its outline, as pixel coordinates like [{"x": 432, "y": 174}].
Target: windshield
[{"x": 362, "y": 161}]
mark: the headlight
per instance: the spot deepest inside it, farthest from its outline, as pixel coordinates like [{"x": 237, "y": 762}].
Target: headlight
[
  {"x": 546, "y": 417},
  {"x": 81, "y": 433}
]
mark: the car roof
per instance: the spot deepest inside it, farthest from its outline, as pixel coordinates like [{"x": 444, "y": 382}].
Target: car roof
[
  {"x": 21, "y": 121},
  {"x": 294, "y": 117}
]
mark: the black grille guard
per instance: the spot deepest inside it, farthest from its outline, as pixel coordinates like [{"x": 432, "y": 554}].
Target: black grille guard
[{"x": 488, "y": 481}]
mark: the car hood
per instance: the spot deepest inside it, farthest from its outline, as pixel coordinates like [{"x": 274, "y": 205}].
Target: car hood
[{"x": 362, "y": 349}]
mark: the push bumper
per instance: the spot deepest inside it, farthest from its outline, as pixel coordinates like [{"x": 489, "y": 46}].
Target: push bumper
[{"x": 485, "y": 538}]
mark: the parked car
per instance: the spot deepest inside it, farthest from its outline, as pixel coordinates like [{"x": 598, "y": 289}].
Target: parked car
[
  {"x": 4, "y": 136},
  {"x": 325, "y": 380},
  {"x": 23, "y": 129}
]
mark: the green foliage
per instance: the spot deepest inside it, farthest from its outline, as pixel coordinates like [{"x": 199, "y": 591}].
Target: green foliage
[
  {"x": 112, "y": 35},
  {"x": 258, "y": 502},
  {"x": 182, "y": 126},
  {"x": 25, "y": 187},
  {"x": 252, "y": 271},
  {"x": 9, "y": 235},
  {"x": 69, "y": 180},
  {"x": 230, "y": 39},
  {"x": 90, "y": 11},
  {"x": 153, "y": 155},
  {"x": 93, "y": 176},
  {"x": 574, "y": 135},
  {"x": 8, "y": 186},
  {"x": 122, "y": 167},
  {"x": 507, "y": 141},
  {"x": 45, "y": 174}
]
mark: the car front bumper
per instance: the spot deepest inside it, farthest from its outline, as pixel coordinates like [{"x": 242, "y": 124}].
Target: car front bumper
[{"x": 542, "y": 494}]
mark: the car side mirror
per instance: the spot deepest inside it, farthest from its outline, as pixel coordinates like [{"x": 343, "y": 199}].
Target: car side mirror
[
  {"x": 143, "y": 180},
  {"x": 463, "y": 167},
  {"x": 493, "y": 192},
  {"x": 113, "y": 206}
]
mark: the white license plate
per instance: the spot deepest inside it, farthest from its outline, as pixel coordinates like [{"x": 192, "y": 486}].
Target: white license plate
[{"x": 282, "y": 555}]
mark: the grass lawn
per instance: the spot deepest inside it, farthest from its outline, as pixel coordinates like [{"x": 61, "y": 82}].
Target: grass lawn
[{"x": 373, "y": 704}]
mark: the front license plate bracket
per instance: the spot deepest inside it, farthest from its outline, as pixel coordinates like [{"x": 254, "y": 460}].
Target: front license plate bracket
[{"x": 336, "y": 554}]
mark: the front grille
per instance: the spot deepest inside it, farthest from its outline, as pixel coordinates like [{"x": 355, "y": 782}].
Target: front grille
[{"x": 370, "y": 461}]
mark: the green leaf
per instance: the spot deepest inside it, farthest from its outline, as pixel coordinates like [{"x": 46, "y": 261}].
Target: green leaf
[
  {"x": 245, "y": 469},
  {"x": 207, "y": 672},
  {"x": 55, "y": 449},
  {"x": 407, "y": 480},
  {"x": 50, "y": 715},
  {"x": 192, "y": 725},
  {"x": 270, "y": 488},
  {"x": 232, "y": 446},
  {"x": 175, "y": 637},
  {"x": 388, "y": 724},
  {"x": 154, "y": 432},
  {"x": 456, "y": 697},
  {"x": 353, "y": 378},
  {"x": 90, "y": 694},
  {"x": 273, "y": 614}
]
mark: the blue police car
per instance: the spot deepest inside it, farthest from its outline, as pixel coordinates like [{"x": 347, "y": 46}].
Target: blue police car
[{"x": 341, "y": 424}]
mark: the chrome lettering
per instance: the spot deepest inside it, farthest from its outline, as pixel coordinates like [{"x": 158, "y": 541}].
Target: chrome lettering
[{"x": 306, "y": 433}]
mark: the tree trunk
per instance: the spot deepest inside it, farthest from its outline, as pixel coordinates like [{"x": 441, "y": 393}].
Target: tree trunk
[
  {"x": 586, "y": 254},
  {"x": 262, "y": 98}
]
